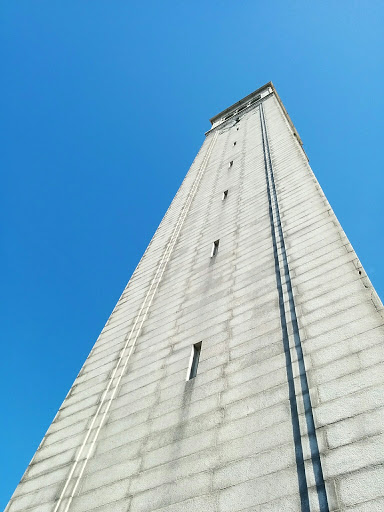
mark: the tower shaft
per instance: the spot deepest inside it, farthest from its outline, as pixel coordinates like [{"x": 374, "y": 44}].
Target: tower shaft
[{"x": 242, "y": 367}]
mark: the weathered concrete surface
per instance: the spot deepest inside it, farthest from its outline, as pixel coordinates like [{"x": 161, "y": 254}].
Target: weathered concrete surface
[{"x": 289, "y": 391}]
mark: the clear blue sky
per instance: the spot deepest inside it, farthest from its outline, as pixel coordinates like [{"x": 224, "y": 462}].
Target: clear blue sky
[{"x": 103, "y": 107}]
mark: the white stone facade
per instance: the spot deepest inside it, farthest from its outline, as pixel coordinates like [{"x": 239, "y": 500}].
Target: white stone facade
[{"x": 286, "y": 412}]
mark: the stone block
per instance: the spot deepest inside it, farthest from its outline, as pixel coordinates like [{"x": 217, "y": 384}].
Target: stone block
[
  {"x": 354, "y": 456},
  {"x": 361, "y": 486},
  {"x": 259, "y": 491},
  {"x": 101, "y": 496},
  {"x": 170, "y": 493},
  {"x": 240, "y": 423},
  {"x": 253, "y": 467}
]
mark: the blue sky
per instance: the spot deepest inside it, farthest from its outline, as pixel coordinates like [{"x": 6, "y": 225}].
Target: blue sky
[{"x": 103, "y": 108}]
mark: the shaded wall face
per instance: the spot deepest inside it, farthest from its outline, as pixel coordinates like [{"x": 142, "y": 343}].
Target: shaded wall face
[{"x": 285, "y": 411}]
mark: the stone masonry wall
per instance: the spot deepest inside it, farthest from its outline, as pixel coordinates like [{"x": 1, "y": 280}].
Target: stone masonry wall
[{"x": 286, "y": 411}]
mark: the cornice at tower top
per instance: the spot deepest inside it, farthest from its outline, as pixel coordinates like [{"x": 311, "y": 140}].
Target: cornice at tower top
[
  {"x": 266, "y": 88},
  {"x": 254, "y": 98}
]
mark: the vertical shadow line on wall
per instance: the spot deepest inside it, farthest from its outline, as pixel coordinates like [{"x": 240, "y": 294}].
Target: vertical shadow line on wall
[
  {"x": 277, "y": 232},
  {"x": 302, "y": 479}
]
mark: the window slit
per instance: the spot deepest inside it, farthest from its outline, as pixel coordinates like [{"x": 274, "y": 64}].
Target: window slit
[
  {"x": 195, "y": 356},
  {"x": 215, "y": 248}
]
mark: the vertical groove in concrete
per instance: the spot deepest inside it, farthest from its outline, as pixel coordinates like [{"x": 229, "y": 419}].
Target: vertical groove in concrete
[{"x": 284, "y": 282}]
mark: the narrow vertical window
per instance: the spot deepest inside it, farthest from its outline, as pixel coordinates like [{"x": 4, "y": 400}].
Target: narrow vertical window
[
  {"x": 225, "y": 195},
  {"x": 215, "y": 248},
  {"x": 195, "y": 356},
  {"x": 230, "y": 164}
]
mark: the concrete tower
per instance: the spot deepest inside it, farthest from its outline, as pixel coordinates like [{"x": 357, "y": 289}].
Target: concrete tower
[{"x": 242, "y": 367}]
